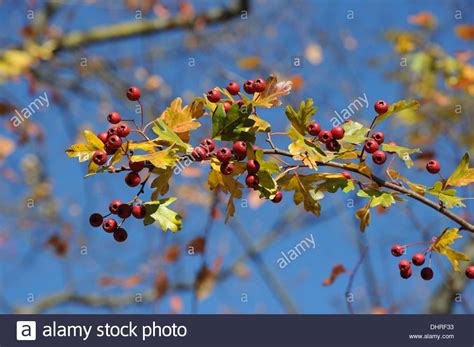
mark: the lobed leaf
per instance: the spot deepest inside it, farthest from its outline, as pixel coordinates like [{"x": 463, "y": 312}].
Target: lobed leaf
[
  {"x": 158, "y": 211},
  {"x": 396, "y": 107},
  {"x": 442, "y": 244},
  {"x": 463, "y": 175}
]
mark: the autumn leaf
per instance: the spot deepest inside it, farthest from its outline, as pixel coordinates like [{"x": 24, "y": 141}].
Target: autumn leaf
[
  {"x": 183, "y": 120},
  {"x": 463, "y": 175},
  {"x": 168, "y": 136},
  {"x": 164, "y": 159},
  {"x": 197, "y": 245},
  {"x": 364, "y": 216},
  {"x": 305, "y": 192},
  {"x": 302, "y": 149},
  {"x": 85, "y": 151},
  {"x": 272, "y": 94},
  {"x": 418, "y": 188},
  {"x": 161, "y": 285},
  {"x": 300, "y": 120},
  {"x": 397, "y": 107},
  {"x": 465, "y": 31},
  {"x": 377, "y": 197},
  {"x": 354, "y": 133},
  {"x": 335, "y": 272},
  {"x": 447, "y": 196},
  {"x": 249, "y": 63},
  {"x": 158, "y": 211},
  {"x": 172, "y": 254},
  {"x": 442, "y": 244},
  {"x": 161, "y": 182},
  {"x": 7, "y": 146},
  {"x": 205, "y": 282}
]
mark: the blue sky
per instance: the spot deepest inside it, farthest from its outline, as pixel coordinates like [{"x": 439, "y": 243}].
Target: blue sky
[{"x": 333, "y": 84}]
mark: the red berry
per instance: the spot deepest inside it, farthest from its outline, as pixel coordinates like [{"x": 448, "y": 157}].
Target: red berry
[
  {"x": 325, "y": 136},
  {"x": 227, "y": 106},
  {"x": 199, "y": 154},
  {"x": 132, "y": 179},
  {"x": 124, "y": 211},
  {"x": 213, "y": 95},
  {"x": 426, "y": 273},
  {"x": 120, "y": 235},
  {"x": 379, "y": 157},
  {"x": 433, "y": 166},
  {"x": 109, "y": 225},
  {"x": 379, "y": 137},
  {"x": 248, "y": 87},
  {"x": 240, "y": 149},
  {"x": 99, "y": 157},
  {"x": 252, "y": 181},
  {"x": 123, "y": 130},
  {"x": 347, "y": 175},
  {"x": 133, "y": 93},
  {"x": 259, "y": 85},
  {"x": 371, "y": 146},
  {"x": 109, "y": 150},
  {"x": 103, "y": 136},
  {"x": 391, "y": 143},
  {"x": 208, "y": 144},
  {"x": 337, "y": 133},
  {"x": 139, "y": 211},
  {"x": 224, "y": 154},
  {"x": 404, "y": 265},
  {"x": 418, "y": 259},
  {"x": 278, "y": 197},
  {"x": 313, "y": 128},
  {"x": 136, "y": 166},
  {"x": 114, "y": 205},
  {"x": 253, "y": 166},
  {"x": 227, "y": 168},
  {"x": 406, "y": 274},
  {"x": 333, "y": 146},
  {"x": 380, "y": 106},
  {"x": 114, "y": 118},
  {"x": 233, "y": 88},
  {"x": 112, "y": 131},
  {"x": 470, "y": 272},
  {"x": 114, "y": 142},
  {"x": 96, "y": 220},
  {"x": 397, "y": 251}
]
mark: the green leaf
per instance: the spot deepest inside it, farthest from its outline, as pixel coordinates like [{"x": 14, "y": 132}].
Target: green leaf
[
  {"x": 267, "y": 185},
  {"x": 269, "y": 166},
  {"x": 157, "y": 211},
  {"x": 333, "y": 182},
  {"x": 463, "y": 175},
  {"x": 354, "y": 133},
  {"x": 442, "y": 244},
  {"x": 377, "y": 197},
  {"x": 167, "y": 135},
  {"x": 300, "y": 120},
  {"x": 233, "y": 125},
  {"x": 402, "y": 152},
  {"x": 394, "y": 108},
  {"x": 447, "y": 196}
]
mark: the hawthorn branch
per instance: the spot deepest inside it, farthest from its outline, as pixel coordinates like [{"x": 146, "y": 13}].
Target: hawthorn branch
[
  {"x": 80, "y": 39},
  {"x": 383, "y": 183}
]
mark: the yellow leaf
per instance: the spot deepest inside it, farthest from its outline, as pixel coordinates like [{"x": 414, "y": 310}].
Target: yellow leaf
[
  {"x": 418, "y": 188},
  {"x": 182, "y": 120},
  {"x": 442, "y": 244},
  {"x": 161, "y": 182},
  {"x": 163, "y": 159},
  {"x": 85, "y": 151},
  {"x": 250, "y": 62},
  {"x": 364, "y": 216},
  {"x": 463, "y": 175}
]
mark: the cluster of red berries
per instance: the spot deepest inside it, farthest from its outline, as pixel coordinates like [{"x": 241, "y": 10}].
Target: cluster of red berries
[
  {"x": 418, "y": 260},
  {"x": 328, "y": 137},
  {"x": 250, "y": 87},
  {"x": 112, "y": 138},
  {"x": 123, "y": 211},
  {"x": 405, "y": 266},
  {"x": 228, "y": 157}
]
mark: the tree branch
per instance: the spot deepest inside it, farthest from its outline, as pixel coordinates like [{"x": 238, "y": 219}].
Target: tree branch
[
  {"x": 381, "y": 182},
  {"x": 125, "y": 30}
]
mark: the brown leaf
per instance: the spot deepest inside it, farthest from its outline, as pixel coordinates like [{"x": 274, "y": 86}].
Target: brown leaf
[
  {"x": 204, "y": 284},
  {"x": 161, "y": 285},
  {"x": 172, "y": 254},
  {"x": 198, "y": 244},
  {"x": 250, "y": 62},
  {"x": 336, "y": 271},
  {"x": 423, "y": 18},
  {"x": 131, "y": 281},
  {"x": 6, "y": 108},
  {"x": 465, "y": 31},
  {"x": 176, "y": 304}
]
